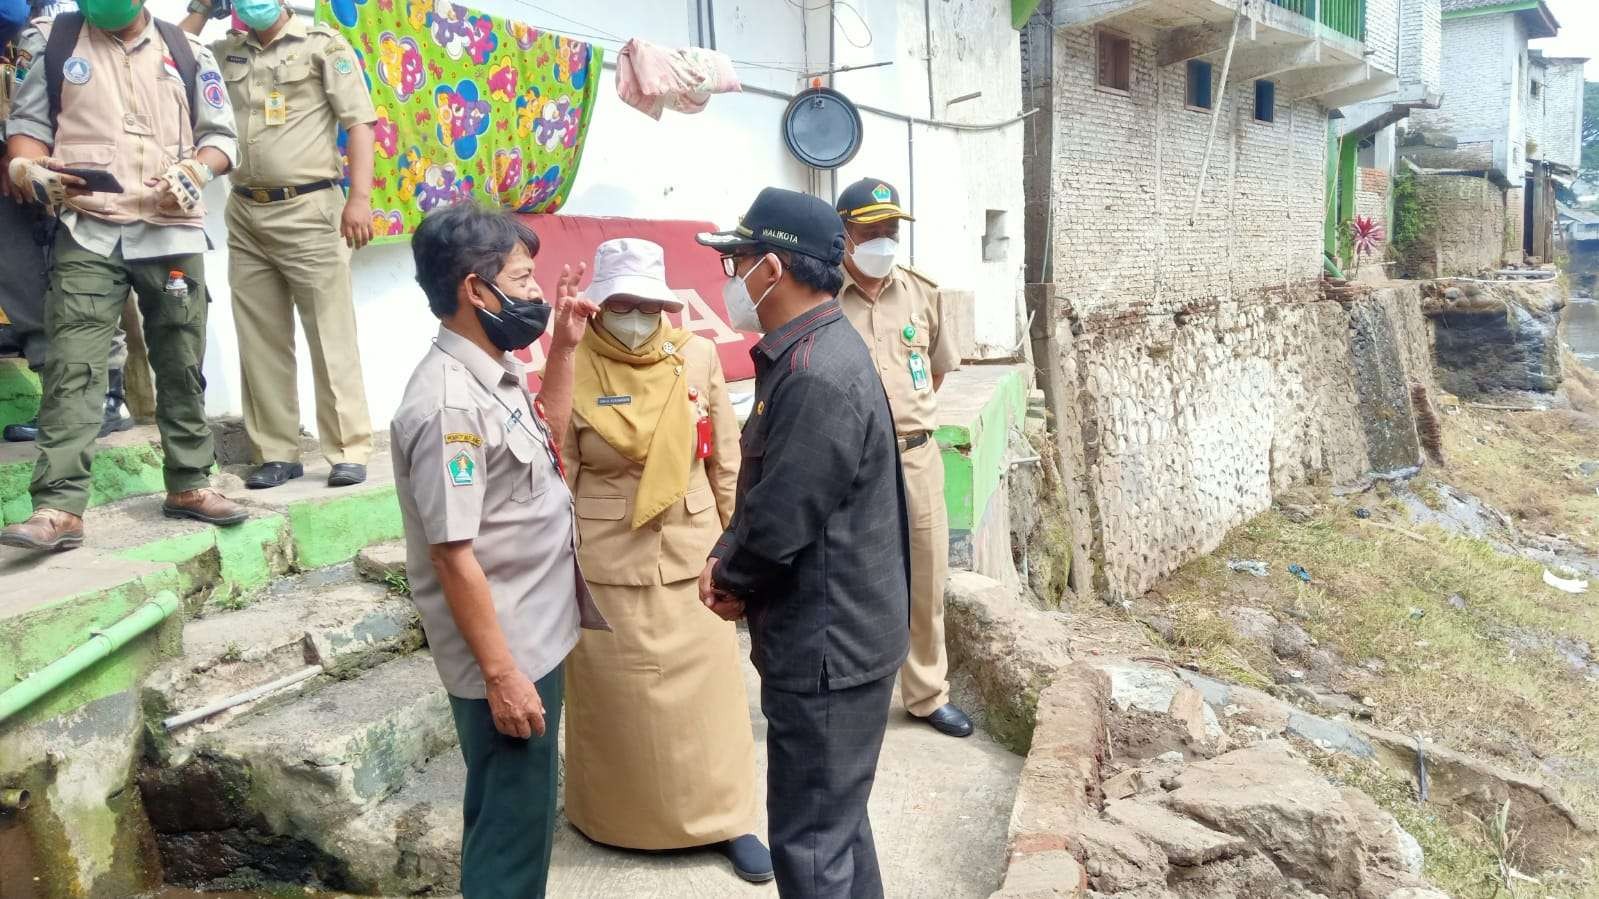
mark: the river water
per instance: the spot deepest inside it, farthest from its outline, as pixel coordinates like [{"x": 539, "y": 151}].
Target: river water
[{"x": 1582, "y": 330}]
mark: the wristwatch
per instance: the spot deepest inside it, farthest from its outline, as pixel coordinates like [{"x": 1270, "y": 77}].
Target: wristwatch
[{"x": 200, "y": 7}]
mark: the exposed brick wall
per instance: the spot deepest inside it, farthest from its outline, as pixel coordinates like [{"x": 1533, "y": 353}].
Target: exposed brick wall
[
  {"x": 1371, "y": 197},
  {"x": 1382, "y": 34},
  {"x": 1561, "y": 140},
  {"x": 1469, "y": 226},
  {"x": 1479, "y": 68},
  {"x": 1421, "y": 43},
  {"x": 1125, "y": 181}
]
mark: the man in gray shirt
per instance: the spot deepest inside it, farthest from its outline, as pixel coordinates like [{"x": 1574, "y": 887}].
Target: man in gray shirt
[{"x": 490, "y": 534}]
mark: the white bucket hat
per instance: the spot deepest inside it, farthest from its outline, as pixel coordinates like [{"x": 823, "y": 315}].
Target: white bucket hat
[{"x": 632, "y": 267}]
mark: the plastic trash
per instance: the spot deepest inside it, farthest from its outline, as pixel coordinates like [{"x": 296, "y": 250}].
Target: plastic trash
[
  {"x": 1568, "y": 585},
  {"x": 1249, "y": 566},
  {"x": 1299, "y": 571},
  {"x": 1362, "y": 513}
]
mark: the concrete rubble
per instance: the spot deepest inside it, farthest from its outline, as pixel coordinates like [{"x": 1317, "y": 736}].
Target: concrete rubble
[{"x": 1145, "y": 781}]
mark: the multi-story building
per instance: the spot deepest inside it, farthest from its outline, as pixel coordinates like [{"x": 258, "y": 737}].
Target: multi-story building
[
  {"x": 1508, "y": 129},
  {"x": 1184, "y": 194}
]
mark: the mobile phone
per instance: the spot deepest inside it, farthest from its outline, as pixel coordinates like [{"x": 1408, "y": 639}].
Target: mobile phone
[{"x": 99, "y": 181}]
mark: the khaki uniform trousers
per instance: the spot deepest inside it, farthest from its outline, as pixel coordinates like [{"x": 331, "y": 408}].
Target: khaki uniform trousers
[
  {"x": 286, "y": 257},
  {"x": 84, "y": 306},
  {"x": 924, "y": 679}
]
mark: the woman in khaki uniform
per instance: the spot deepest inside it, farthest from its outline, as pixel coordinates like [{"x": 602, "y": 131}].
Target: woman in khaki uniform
[{"x": 659, "y": 752}]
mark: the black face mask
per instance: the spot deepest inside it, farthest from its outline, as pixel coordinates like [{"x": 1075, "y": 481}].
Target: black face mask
[{"x": 519, "y": 323}]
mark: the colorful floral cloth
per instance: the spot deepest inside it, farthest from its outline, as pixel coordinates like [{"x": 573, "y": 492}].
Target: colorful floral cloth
[{"x": 468, "y": 105}]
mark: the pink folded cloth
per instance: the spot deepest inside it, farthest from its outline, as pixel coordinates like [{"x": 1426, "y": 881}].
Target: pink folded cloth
[{"x": 651, "y": 79}]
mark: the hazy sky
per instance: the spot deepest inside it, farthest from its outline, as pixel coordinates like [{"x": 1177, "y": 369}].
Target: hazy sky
[{"x": 1579, "y": 32}]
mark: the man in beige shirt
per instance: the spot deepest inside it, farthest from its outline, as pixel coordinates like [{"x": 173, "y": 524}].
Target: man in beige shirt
[
  {"x": 899, "y": 314},
  {"x": 490, "y": 533},
  {"x": 291, "y": 231}
]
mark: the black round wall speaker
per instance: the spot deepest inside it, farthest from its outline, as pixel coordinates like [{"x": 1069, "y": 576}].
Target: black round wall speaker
[{"x": 822, "y": 128}]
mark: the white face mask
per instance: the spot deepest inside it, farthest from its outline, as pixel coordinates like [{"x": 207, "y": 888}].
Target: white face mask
[
  {"x": 740, "y": 307},
  {"x": 875, "y": 258},
  {"x": 633, "y": 329}
]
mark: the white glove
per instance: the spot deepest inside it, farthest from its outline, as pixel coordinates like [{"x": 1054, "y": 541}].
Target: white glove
[{"x": 184, "y": 182}]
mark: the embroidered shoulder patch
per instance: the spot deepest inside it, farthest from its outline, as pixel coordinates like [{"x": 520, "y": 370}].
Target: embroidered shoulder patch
[
  {"x": 76, "y": 70},
  {"x": 211, "y": 75},
  {"x": 462, "y": 469},
  {"x": 214, "y": 96},
  {"x": 343, "y": 66},
  {"x": 461, "y": 437}
]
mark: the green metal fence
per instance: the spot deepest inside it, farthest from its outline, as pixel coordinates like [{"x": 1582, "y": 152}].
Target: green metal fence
[{"x": 1346, "y": 17}]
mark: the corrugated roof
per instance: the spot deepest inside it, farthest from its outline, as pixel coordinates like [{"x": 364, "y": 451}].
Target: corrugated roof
[
  {"x": 1580, "y": 216},
  {"x": 1453, "y": 5},
  {"x": 1540, "y": 21}
]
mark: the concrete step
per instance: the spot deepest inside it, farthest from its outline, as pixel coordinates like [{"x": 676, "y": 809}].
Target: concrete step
[
  {"x": 410, "y": 843},
  {"x": 327, "y": 618},
  {"x": 277, "y": 789}
]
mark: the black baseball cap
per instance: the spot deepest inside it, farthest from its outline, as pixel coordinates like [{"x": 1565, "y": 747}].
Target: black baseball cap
[
  {"x": 785, "y": 220},
  {"x": 870, "y": 200}
]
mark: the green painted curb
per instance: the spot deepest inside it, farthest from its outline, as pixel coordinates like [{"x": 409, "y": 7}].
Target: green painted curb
[
  {"x": 19, "y": 392},
  {"x": 250, "y": 554},
  {"x": 118, "y": 473},
  {"x": 975, "y": 453},
  {"x": 329, "y": 531}
]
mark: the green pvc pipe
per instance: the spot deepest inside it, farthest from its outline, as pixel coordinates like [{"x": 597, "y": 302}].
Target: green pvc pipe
[{"x": 99, "y": 645}]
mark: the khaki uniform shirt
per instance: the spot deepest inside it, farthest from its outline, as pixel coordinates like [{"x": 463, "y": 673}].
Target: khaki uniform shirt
[
  {"x": 903, "y": 329},
  {"x": 213, "y": 127},
  {"x": 289, "y": 97},
  {"x": 473, "y": 462}
]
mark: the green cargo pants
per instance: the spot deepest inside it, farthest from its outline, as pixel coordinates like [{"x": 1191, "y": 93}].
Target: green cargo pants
[{"x": 82, "y": 311}]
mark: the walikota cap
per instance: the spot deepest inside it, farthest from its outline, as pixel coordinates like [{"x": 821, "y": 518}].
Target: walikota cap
[
  {"x": 870, "y": 200},
  {"x": 785, "y": 220},
  {"x": 631, "y": 266}
]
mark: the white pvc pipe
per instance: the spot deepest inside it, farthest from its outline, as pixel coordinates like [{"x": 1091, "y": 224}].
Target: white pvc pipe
[{"x": 254, "y": 693}]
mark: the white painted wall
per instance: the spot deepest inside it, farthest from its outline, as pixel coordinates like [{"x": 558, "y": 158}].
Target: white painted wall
[
  {"x": 1561, "y": 139},
  {"x": 1484, "y": 75},
  {"x": 709, "y": 166}
]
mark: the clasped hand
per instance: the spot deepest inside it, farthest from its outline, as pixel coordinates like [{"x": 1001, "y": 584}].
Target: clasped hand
[{"x": 727, "y": 607}]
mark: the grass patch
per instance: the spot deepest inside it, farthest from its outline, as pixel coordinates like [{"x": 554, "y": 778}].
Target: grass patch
[
  {"x": 398, "y": 583},
  {"x": 1487, "y": 678}
]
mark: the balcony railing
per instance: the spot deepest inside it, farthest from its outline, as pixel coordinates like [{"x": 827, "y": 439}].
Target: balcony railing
[{"x": 1347, "y": 17}]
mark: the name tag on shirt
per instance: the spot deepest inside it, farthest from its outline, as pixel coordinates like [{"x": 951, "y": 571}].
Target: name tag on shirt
[
  {"x": 616, "y": 400},
  {"x": 277, "y": 109}
]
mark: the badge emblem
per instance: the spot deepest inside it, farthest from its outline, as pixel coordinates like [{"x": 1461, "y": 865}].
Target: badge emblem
[
  {"x": 908, "y": 333},
  {"x": 461, "y": 469},
  {"x": 76, "y": 70},
  {"x": 461, "y": 437},
  {"x": 212, "y": 76},
  {"x": 214, "y": 96},
  {"x": 882, "y": 194},
  {"x": 343, "y": 66}
]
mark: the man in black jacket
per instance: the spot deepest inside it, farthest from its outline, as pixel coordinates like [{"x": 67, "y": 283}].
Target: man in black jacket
[{"x": 817, "y": 553}]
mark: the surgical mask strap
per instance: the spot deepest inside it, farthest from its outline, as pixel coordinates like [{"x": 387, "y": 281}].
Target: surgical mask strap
[{"x": 770, "y": 287}]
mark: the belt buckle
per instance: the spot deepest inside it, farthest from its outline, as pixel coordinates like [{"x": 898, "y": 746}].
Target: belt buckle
[
  {"x": 289, "y": 193},
  {"x": 261, "y": 195}
]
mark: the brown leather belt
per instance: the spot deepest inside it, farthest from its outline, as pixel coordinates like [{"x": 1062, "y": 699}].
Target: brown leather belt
[
  {"x": 279, "y": 194},
  {"x": 908, "y": 442}
]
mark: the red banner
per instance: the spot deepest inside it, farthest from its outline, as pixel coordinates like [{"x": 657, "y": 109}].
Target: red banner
[{"x": 693, "y": 272}]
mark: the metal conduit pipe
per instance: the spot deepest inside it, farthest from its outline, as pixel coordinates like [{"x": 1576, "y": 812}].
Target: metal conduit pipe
[
  {"x": 99, "y": 645},
  {"x": 14, "y": 800}
]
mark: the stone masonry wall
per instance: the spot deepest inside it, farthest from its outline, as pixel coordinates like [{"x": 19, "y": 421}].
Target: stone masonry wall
[
  {"x": 1515, "y": 223},
  {"x": 1124, "y": 190},
  {"x": 1468, "y": 216},
  {"x": 1195, "y": 425}
]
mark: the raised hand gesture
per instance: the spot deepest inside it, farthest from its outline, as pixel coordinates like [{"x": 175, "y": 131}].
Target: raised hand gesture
[{"x": 572, "y": 312}]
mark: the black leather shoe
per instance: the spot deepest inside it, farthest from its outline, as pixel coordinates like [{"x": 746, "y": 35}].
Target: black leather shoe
[
  {"x": 274, "y": 474},
  {"x": 347, "y": 474},
  {"x": 752, "y": 861},
  {"x": 950, "y": 721},
  {"x": 26, "y": 432}
]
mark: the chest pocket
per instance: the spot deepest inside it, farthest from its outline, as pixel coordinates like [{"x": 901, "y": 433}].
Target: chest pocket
[
  {"x": 535, "y": 473},
  {"x": 237, "y": 77},
  {"x": 293, "y": 80}
]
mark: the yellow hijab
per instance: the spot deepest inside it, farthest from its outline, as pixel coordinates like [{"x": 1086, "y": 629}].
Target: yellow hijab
[{"x": 655, "y": 424}]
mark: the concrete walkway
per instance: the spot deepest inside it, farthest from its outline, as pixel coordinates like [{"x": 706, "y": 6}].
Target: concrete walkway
[{"x": 940, "y": 813}]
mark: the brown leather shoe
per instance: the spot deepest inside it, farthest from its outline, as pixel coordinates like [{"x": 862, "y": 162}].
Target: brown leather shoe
[
  {"x": 46, "y": 529},
  {"x": 206, "y": 504}
]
